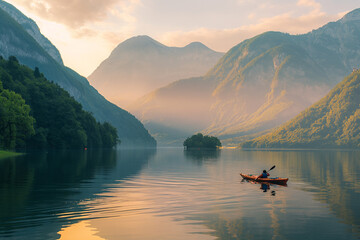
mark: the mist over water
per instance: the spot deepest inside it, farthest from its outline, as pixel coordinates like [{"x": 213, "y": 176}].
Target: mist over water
[{"x": 176, "y": 194}]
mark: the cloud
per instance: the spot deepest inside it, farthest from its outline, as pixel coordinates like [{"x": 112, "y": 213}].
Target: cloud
[
  {"x": 74, "y": 13},
  {"x": 110, "y": 19},
  {"x": 309, "y": 3},
  {"x": 114, "y": 38},
  {"x": 224, "y": 39},
  {"x": 84, "y": 32}
]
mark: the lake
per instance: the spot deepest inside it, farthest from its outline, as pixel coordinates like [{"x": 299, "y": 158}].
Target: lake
[{"x": 176, "y": 194}]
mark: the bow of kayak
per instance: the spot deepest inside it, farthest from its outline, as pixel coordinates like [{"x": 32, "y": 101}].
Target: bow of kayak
[{"x": 276, "y": 180}]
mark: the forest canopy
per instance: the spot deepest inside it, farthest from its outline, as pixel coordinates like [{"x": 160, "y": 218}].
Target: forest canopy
[
  {"x": 201, "y": 141},
  {"x": 36, "y": 113}
]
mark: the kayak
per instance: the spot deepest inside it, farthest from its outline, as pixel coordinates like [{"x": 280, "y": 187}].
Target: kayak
[{"x": 276, "y": 180}]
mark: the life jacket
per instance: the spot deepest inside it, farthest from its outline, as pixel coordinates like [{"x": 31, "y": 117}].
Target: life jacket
[{"x": 264, "y": 175}]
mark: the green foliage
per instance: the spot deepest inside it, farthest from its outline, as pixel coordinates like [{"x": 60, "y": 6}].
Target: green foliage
[
  {"x": 201, "y": 141},
  {"x": 60, "y": 120},
  {"x": 108, "y": 134},
  {"x": 334, "y": 121},
  {"x": 7, "y": 154},
  {"x": 16, "y": 125}
]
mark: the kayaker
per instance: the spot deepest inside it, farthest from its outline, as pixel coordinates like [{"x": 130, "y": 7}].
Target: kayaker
[{"x": 263, "y": 175}]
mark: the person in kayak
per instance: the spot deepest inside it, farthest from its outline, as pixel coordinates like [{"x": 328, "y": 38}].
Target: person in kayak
[{"x": 263, "y": 175}]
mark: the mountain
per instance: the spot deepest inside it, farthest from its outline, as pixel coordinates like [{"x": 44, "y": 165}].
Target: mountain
[
  {"x": 332, "y": 122},
  {"x": 258, "y": 84},
  {"x": 140, "y": 65},
  {"x": 30, "y": 27},
  {"x": 16, "y": 41}
]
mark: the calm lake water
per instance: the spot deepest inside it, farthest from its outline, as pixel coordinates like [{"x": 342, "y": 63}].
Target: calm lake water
[{"x": 173, "y": 194}]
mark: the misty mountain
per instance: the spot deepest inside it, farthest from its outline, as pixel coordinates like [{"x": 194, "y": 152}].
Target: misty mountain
[
  {"x": 332, "y": 122},
  {"x": 16, "y": 41},
  {"x": 30, "y": 27},
  {"x": 260, "y": 83},
  {"x": 140, "y": 65}
]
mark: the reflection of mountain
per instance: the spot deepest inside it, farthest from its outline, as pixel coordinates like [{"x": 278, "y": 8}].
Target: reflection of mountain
[
  {"x": 335, "y": 175},
  {"x": 20, "y": 37},
  {"x": 258, "y": 84},
  {"x": 140, "y": 64},
  {"x": 332, "y": 122},
  {"x": 31, "y": 183},
  {"x": 329, "y": 178}
]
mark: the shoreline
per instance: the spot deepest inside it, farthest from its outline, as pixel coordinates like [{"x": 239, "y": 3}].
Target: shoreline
[{"x": 6, "y": 154}]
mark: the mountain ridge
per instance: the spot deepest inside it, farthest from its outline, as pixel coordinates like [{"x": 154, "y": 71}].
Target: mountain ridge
[
  {"x": 141, "y": 64},
  {"x": 266, "y": 80}
]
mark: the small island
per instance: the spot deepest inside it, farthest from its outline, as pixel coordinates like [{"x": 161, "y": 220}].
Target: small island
[{"x": 199, "y": 141}]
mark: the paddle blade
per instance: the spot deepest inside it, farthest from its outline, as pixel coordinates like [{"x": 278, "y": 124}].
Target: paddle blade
[{"x": 272, "y": 168}]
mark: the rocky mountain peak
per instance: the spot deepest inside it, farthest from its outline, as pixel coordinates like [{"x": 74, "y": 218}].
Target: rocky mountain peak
[
  {"x": 351, "y": 16},
  {"x": 139, "y": 42},
  {"x": 196, "y": 46}
]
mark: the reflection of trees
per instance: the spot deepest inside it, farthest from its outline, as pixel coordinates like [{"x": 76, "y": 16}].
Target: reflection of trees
[
  {"x": 233, "y": 229},
  {"x": 52, "y": 182},
  {"x": 202, "y": 155}
]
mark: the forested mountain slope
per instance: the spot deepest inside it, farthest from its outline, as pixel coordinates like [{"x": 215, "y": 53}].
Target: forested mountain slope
[{"x": 333, "y": 122}]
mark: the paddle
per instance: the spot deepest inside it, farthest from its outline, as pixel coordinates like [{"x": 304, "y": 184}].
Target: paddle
[
  {"x": 268, "y": 170},
  {"x": 272, "y": 168}
]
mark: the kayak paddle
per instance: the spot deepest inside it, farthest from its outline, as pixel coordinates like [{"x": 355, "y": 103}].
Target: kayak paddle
[{"x": 271, "y": 168}]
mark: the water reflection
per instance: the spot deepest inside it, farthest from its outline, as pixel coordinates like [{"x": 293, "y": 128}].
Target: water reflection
[
  {"x": 143, "y": 195},
  {"x": 335, "y": 175},
  {"x": 46, "y": 188},
  {"x": 81, "y": 230},
  {"x": 200, "y": 156},
  {"x": 264, "y": 186},
  {"x": 317, "y": 179}
]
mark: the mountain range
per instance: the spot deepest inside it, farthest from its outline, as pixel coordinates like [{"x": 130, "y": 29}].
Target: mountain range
[
  {"x": 332, "y": 122},
  {"x": 140, "y": 65},
  {"x": 257, "y": 85},
  {"x": 20, "y": 37}
]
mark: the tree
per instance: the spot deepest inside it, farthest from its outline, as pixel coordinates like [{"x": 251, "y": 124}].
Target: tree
[
  {"x": 201, "y": 141},
  {"x": 37, "y": 73},
  {"x": 16, "y": 124},
  {"x": 108, "y": 135}
]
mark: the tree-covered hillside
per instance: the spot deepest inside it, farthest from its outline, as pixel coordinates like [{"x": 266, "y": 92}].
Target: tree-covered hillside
[
  {"x": 31, "y": 51},
  {"x": 334, "y": 121},
  {"x": 60, "y": 121}
]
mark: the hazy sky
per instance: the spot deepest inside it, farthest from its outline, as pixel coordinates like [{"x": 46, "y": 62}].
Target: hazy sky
[{"x": 86, "y": 31}]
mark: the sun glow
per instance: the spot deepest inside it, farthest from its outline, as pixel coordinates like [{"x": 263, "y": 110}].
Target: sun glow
[{"x": 81, "y": 230}]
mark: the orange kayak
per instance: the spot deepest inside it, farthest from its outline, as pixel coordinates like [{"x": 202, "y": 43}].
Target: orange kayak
[{"x": 276, "y": 180}]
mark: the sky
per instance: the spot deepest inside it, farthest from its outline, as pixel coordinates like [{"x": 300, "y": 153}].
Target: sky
[{"x": 86, "y": 31}]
